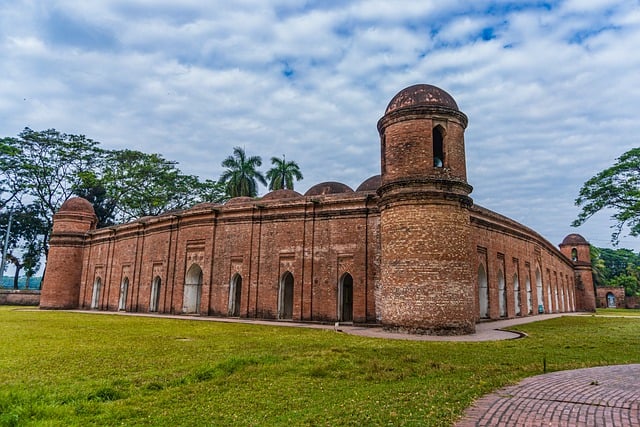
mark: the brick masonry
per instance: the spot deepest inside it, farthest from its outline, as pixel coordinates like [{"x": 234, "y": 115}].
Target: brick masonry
[{"x": 412, "y": 253}]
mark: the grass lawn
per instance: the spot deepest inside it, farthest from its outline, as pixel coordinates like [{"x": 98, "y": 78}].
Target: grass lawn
[{"x": 60, "y": 368}]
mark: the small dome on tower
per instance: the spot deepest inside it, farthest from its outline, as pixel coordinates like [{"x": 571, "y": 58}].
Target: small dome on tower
[
  {"x": 421, "y": 95},
  {"x": 77, "y": 204},
  {"x": 574, "y": 239}
]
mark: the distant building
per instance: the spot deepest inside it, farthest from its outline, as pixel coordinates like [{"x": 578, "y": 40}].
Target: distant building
[{"x": 407, "y": 249}]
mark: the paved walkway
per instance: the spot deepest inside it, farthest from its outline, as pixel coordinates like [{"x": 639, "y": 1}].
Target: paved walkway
[
  {"x": 485, "y": 331},
  {"x": 603, "y": 396}
]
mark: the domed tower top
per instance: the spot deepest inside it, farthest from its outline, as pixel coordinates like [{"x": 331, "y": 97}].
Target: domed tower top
[
  {"x": 576, "y": 248},
  {"x": 421, "y": 95},
  {"x": 422, "y": 137},
  {"x": 75, "y": 215}
]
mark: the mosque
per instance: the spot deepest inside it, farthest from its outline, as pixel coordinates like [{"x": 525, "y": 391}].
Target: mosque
[{"x": 407, "y": 250}]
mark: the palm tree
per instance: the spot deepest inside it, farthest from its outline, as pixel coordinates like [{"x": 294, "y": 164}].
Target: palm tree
[
  {"x": 282, "y": 173},
  {"x": 241, "y": 174}
]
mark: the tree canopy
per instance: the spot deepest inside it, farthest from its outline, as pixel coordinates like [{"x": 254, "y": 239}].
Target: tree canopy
[
  {"x": 616, "y": 267},
  {"x": 282, "y": 173},
  {"x": 241, "y": 176},
  {"x": 616, "y": 188}
]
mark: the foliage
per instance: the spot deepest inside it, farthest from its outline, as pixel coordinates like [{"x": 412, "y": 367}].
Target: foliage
[
  {"x": 282, "y": 173},
  {"x": 617, "y": 188},
  {"x": 241, "y": 176},
  {"x": 25, "y": 245},
  {"x": 616, "y": 267},
  {"x": 184, "y": 372}
]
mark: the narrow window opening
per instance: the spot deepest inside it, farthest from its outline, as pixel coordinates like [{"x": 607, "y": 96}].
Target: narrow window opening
[
  {"x": 438, "y": 147},
  {"x": 574, "y": 254}
]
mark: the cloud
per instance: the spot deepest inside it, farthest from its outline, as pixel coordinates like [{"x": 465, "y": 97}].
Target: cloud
[{"x": 551, "y": 90}]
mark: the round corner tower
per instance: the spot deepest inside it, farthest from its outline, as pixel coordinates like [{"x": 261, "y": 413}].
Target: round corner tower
[
  {"x": 426, "y": 283},
  {"x": 578, "y": 250},
  {"x": 63, "y": 274}
]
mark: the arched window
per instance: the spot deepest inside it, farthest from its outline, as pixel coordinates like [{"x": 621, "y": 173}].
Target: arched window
[
  {"x": 192, "y": 290},
  {"x": 516, "y": 295},
  {"x": 483, "y": 293},
  {"x": 124, "y": 290},
  {"x": 285, "y": 310},
  {"x": 95, "y": 298},
  {"x": 502, "y": 294},
  {"x": 438, "y": 147},
  {"x": 154, "y": 300},
  {"x": 574, "y": 254},
  {"x": 235, "y": 295},
  {"x": 345, "y": 298}
]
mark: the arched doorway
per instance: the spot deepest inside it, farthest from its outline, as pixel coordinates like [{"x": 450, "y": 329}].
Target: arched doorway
[
  {"x": 483, "y": 293},
  {"x": 529, "y": 296},
  {"x": 235, "y": 295},
  {"x": 345, "y": 297},
  {"x": 95, "y": 298},
  {"x": 502, "y": 294},
  {"x": 540, "y": 297},
  {"x": 154, "y": 300},
  {"x": 516, "y": 295},
  {"x": 192, "y": 290},
  {"x": 611, "y": 300},
  {"x": 549, "y": 296},
  {"x": 124, "y": 290},
  {"x": 285, "y": 310}
]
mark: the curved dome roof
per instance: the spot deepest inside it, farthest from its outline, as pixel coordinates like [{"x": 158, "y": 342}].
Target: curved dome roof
[
  {"x": 371, "y": 184},
  {"x": 77, "y": 204},
  {"x": 281, "y": 194},
  {"x": 421, "y": 95},
  {"x": 328, "y": 188},
  {"x": 574, "y": 239},
  {"x": 238, "y": 201}
]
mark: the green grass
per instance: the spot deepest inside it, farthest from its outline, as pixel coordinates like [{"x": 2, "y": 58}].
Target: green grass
[
  {"x": 60, "y": 368},
  {"x": 618, "y": 312}
]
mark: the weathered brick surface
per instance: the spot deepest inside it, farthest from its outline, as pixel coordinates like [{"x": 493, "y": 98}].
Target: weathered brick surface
[{"x": 415, "y": 250}]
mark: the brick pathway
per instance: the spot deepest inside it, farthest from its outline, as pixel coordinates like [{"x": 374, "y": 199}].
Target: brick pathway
[{"x": 607, "y": 396}]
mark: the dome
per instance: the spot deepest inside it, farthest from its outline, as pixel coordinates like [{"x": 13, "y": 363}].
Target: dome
[
  {"x": 325, "y": 188},
  {"x": 281, "y": 194},
  {"x": 574, "y": 239},
  {"x": 238, "y": 201},
  {"x": 77, "y": 204},
  {"x": 371, "y": 184},
  {"x": 421, "y": 95}
]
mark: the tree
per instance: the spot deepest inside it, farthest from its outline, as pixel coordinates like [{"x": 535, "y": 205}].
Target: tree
[
  {"x": 241, "y": 174},
  {"x": 25, "y": 248},
  {"x": 617, "y": 188},
  {"x": 11, "y": 185},
  {"x": 47, "y": 165},
  {"x": 282, "y": 173}
]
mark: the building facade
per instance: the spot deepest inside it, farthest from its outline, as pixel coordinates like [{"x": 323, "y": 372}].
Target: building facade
[{"x": 408, "y": 249}]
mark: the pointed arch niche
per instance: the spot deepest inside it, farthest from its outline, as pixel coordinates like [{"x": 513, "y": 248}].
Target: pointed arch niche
[
  {"x": 483, "y": 292},
  {"x": 235, "y": 295},
  {"x": 345, "y": 298},
  {"x": 192, "y": 290},
  {"x": 285, "y": 297}
]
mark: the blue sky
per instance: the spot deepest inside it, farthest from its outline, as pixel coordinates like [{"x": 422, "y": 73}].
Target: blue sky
[{"x": 551, "y": 89}]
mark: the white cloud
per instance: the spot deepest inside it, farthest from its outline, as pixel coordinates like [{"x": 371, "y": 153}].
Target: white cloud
[{"x": 552, "y": 97}]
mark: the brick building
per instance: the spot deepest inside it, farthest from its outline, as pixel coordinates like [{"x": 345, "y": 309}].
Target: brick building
[{"x": 407, "y": 249}]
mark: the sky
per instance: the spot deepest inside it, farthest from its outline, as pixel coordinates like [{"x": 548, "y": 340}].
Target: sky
[{"x": 551, "y": 88}]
